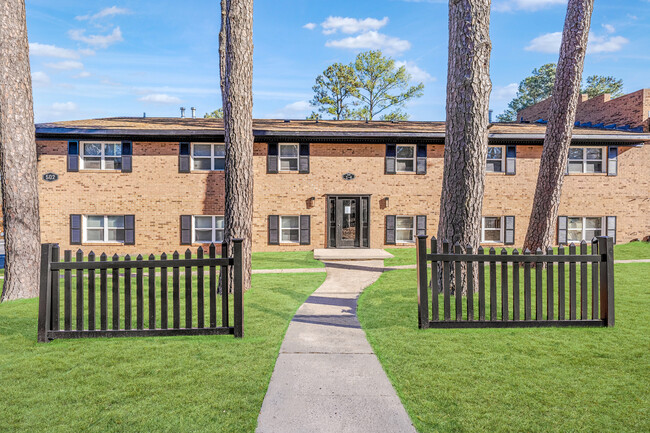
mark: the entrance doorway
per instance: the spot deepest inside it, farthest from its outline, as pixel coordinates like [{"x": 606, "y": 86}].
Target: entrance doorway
[{"x": 348, "y": 221}]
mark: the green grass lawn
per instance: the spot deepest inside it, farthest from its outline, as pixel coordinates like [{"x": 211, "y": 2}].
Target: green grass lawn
[
  {"x": 630, "y": 251},
  {"x": 286, "y": 260},
  {"x": 533, "y": 380},
  {"x": 211, "y": 384}
]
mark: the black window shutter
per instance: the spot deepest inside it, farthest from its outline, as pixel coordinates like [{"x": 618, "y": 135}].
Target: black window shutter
[
  {"x": 184, "y": 158},
  {"x": 73, "y": 156},
  {"x": 390, "y": 158},
  {"x": 390, "y": 229},
  {"x": 75, "y": 229},
  {"x": 562, "y": 230},
  {"x": 611, "y": 227},
  {"x": 303, "y": 159},
  {"x": 129, "y": 229},
  {"x": 509, "y": 231},
  {"x": 421, "y": 162},
  {"x": 186, "y": 229},
  {"x": 612, "y": 161},
  {"x": 274, "y": 230},
  {"x": 305, "y": 230},
  {"x": 127, "y": 158},
  {"x": 511, "y": 160},
  {"x": 272, "y": 158},
  {"x": 421, "y": 225}
]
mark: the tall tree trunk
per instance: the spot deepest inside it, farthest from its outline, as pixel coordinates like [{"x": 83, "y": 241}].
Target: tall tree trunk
[
  {"x": 564, "y": 102},
  {"x": 238, "y": 123},
  {"x": 468, "y": 97},
  {"x": 18, "y": 156},
  {"x": 222, "y": 52}
]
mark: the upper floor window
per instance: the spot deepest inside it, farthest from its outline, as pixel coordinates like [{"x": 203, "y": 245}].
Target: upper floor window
[
  {"x": 587, "y": 228},
  {"x": 208, "y": 156},
  {"x": 586, "y": 160},
  {"x": 103, "y": 228},
  {"x": 405, "y": 158},
  {"x": 491, "y": 230},
  {"x": 288, "y": 157},
  {"x": 207, "y": 229},
  {"x": 495, "y": 156},
  {"x": 101, "y": 156}
]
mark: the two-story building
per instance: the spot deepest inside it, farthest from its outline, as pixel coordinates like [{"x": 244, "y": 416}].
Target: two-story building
[{"x": 125, "y": 185}]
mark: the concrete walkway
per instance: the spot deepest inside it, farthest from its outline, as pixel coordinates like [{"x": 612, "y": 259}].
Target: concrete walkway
[{"x": 327, "y": 378}]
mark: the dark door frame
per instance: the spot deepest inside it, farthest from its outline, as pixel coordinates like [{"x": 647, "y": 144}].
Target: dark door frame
[{"x": 360, "y": 228}]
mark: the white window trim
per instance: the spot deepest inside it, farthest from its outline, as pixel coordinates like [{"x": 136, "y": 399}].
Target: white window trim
[
  {"x": 501, "y": 230},
  {"x": 413, "y": 229},
  {"x": 414, "y": 158},
  {"x": 213, "y": 229},
  {"x": 503, "y": 160},
  {"x": 84, "y": 227},
  {"x": 603, "y": 230},
  {"x": 102, "y": 157},
  {"x": 297, "y": 157},
  {"x": 603, "y": 160},
  {"x": 212, "y": 156},
  {"x": 281, "y": 229}
]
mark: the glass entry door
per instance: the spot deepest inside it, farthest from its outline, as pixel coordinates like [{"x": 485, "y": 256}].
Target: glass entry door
[{"x": 348, "y": 222}]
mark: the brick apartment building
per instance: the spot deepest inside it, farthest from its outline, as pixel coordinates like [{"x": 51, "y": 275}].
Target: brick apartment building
[{"x": 125, "y": 185}]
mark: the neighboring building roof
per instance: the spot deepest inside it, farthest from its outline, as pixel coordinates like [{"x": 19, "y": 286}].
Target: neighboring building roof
[{"x": 176, "y": 128}]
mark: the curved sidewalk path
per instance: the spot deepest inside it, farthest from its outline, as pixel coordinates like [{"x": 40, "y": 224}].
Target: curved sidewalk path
[{"x": 327, "y": 378}]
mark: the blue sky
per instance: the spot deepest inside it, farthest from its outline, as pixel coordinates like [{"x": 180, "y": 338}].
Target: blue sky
[{"x": 110, "y": 58}]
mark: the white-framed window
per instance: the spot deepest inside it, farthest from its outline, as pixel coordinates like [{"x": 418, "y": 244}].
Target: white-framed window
[
  {"x": 584, "y": 228},
  {"x": 97, "y": 155},
  {"x": 208, "y": 156},
  {"x": 495, "y": 159},
  {"x": 290, "y": 229},
  {"x": 103, "y": 229},
  {"x": 492, "y": 229},
  {"x": 289, "y": 156},
  {"x": 405, "y": 158},
  {"x": 207, "y": 229},
  {"x": 405, "y": 229},
  {"x": 587, "y": 160}
]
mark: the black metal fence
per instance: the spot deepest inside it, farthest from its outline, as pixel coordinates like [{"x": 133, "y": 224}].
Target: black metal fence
[
  {"x": 547, "y": 290},
  {"x": 86, "y": 284}
]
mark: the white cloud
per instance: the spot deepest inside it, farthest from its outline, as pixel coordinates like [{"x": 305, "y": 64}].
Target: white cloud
[
  {"x": 609, "y": 28},
  {"x": 352, "y": 25},
  {"x": 372, "y": 41},
  {"x": 295, "y": 110},
  {"x": 309, "y": 26},
  {"x": 87, "y": 52},
  {"x": 526, "y": 5},
  {"x": 504, "y": 93},
  {"x": 64, "y": 106},
  {"x": 65, "y": 65},
  {"x": 160, "y": 98},
  {"x": 83, "y": 74},
  {"x": 418, "y": 74},
  {"x": 97, "y": 41},
  {"x": 106, "y": 12},
  {"x": 36, "y": 49},
  {"x": 550, "y": 43},
  {"x": 40, "y": 78}
]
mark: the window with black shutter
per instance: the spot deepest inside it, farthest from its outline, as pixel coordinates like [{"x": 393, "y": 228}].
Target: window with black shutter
[
  {"x": 390, "y": 229},
  {"x": 511, "y": 160},
  {"x": 611, "y": 227},
  {"x": 274, "y": 229},
  {"x": 186, "y": 229},
  {"x": 509, "y": 231},
  {"x": 303, "y": 161},
  {"x": 272, "y": 158},
  {"x": 390, "y": 158},
  {"x": 75, "y": 229},
  {"x": 612, "y": 161},
  {"x": 129, "y": 229},
  {"x": 421, "y": 223},
  {"x": 127, "y": 157},
  {"x": 562, "y": 230},
  {"x": 305, "y": 229},
  {"x": 73, "y": 156},
  {"x": 184, "y": 158},
  {"x": 421, "y": 162}
]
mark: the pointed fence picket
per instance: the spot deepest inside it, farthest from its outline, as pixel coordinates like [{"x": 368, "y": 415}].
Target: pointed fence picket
[
  {"x": 80, "y": 298},
  {"x": 544, "y": 285}
]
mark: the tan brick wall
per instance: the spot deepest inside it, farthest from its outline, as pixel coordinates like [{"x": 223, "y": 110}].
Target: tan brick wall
[
  {"x": 157, "y": 194},
  {"x": 629, "y": 109}
]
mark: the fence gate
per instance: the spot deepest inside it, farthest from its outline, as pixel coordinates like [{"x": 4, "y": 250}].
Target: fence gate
[
  {"x": 90, "y": 307},
  {"x": 544, "y": 296}
]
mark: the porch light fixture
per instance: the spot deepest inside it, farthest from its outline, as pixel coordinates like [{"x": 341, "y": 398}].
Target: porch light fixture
[
  {"x": 312, "y": 201},
  {"x": 386, "y": 201}
]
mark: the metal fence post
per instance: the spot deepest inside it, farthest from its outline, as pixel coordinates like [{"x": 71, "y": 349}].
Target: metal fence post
[
  {"x": 44, "y": 297},
  {"x": 238, "y": 289},
  {"x": 423, "y": 283},
  {"x": 606, "y": 250}
]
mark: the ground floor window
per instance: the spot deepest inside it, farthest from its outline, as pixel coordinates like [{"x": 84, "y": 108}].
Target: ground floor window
[
  {"x": 491, "y": 230},
  {"x": 405, "y": 229},
  {"x": 104, "y": 228},
  {"x": 289, "y": 229},
  {"x": 583, "y": 228},
  {"x": 207, "y": 229}
]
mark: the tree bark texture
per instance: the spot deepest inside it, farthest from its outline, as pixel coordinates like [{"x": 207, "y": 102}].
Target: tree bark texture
[
  {"x": 468, "y": 97},
  {"x": 564, "y": 102},
  {"x": 238, "y": 123},
  {"x": 18, "y": 157},
  {"x": 222, "y": 52}
]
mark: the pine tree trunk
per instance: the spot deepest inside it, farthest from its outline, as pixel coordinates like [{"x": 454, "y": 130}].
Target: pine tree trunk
[
  {"x": 468, "y": 97},
  {"x": 564, "y": 102},
  {"x": 238, "y": 124},
  {"x": 222, "y": 52},
  {"x": 18, "y": 157}
]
